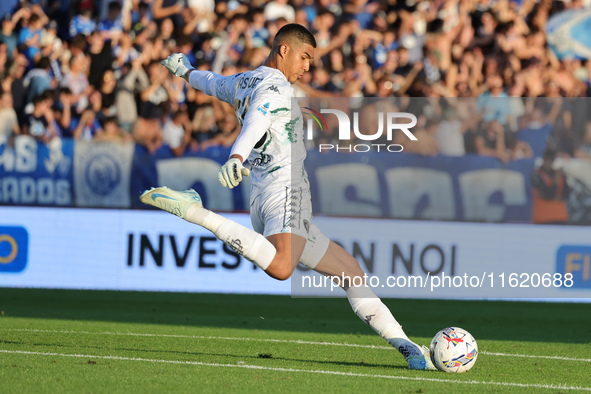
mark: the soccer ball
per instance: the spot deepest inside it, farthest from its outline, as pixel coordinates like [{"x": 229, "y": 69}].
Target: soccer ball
[{"x": 453, "y": 349}]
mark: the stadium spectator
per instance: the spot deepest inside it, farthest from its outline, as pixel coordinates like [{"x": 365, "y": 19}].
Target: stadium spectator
[
  {"x": 177, "y": 131},
  {"x": 87, "y": 126},
  {"x": 204, "y": 127},
  {"x": 228, "y": 130},
  {"x": 550, "y": 190},
  {"x": 40, "y": 123},
  {"x": 100, "y": 52},
  {"x": 77, "y": 81},
  {"x": 63, "y": 111},
  {"x": 16, "y": 78},
  {"x": 132, "y": 81},
  {"x": 451, "y": 130},
  {"x": 126, "y": 52},
  {"x": 494, "y": 103},
  {"x": 141, "y": 18},
  {"x": 114, "y": 23},
  {"x": 155, "y": 99},
  {"x": 83, "y": 23},
  {"x": 108, "y": 94},
  {"x": 276, "y": 9},
  {"x": 538, "y": 121},
  {"x": 8, "y": 36},
  {"x": 38, "y": 80},
  {"x": 111, "y": 132},
  {"x": 425, "y": 132},
  {"x": 448, "y": 49},
  {"x": 148, "y": 133},
  {"x": 584, "y": 147},
  {"x": 30, "y": 36},
  {"x": 8, "y": 121},
  {"x": 259, "y": 34},
  {"x": 3, "y": 61},
  {"x": 166, "y": 32},
  {"x": 490, "y": 140},
  {"x": 168, "y": 9}
]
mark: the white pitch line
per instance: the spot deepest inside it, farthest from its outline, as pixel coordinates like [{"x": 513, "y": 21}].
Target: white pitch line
[
  {"x": 534, "y": 356},
  {"x": 296, "y": 341},
  {"x": 314, "y": 371}
]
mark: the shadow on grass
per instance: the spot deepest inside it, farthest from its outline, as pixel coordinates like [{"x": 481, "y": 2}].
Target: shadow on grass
[
  {"x": 495, "y": 320},
  {"x": 238, "y": 357}
]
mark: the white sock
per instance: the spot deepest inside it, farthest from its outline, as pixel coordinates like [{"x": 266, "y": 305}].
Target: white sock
[
  {"x": 372, "y": 310},
  {"x": 244, "y": 241}
]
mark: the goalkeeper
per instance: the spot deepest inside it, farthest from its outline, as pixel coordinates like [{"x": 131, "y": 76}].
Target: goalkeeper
[{"x": 280, "y": 206}]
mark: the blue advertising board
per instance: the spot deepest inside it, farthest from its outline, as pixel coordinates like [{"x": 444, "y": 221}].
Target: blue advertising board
[
  {"x": 36, "y": 174},
  {"x": 379, "y": 184}
]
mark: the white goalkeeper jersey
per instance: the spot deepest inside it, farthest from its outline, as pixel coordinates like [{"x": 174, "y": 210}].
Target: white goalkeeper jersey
[{"x": 277, "y": 160}]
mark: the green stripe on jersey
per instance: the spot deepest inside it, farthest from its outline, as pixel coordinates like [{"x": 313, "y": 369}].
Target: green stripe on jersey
[{"x": 279, "y": 110}]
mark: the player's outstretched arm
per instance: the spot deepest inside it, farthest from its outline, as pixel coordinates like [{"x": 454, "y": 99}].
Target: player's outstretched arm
[{"x": 206, "y": 81}]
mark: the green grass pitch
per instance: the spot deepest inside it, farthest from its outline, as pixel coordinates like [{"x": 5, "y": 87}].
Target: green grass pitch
[{"x": 96, "y": 341}]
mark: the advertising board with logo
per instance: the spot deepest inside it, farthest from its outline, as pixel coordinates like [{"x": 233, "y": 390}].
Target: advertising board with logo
[
  {"x": 36, "y": 174},
  {"x": 75, "y": 248},
  {"x": 14, "y": 243}
]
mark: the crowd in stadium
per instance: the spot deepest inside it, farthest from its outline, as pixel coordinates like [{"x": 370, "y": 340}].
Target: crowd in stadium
[{"x": 91, "y": 69}]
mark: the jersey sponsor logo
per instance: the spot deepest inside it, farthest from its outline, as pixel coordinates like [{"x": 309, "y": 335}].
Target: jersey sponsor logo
[
  {"x": 248, "y": 82},
  {"x": 14, "y": 242},
  {"x": 264, "y": 108},
  {"x": 273, "y": 88}
]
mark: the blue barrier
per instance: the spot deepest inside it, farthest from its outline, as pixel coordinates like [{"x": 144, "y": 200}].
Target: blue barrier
[
  {"x": 406, "y": 186},
  {"x": 470, "y": 188},
  {"x": 36, "y": 174}
]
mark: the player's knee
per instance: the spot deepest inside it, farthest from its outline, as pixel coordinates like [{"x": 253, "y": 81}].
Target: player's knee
[
  {"x": 280, "y": 268},
  {"x": 282, "y": 275}
]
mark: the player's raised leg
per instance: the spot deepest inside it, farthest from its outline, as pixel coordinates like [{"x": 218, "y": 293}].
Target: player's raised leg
[
  {"x": 277, "y": 255},
  {"x": 187, "y": 205},
  {"x": 339, "y": 263}
]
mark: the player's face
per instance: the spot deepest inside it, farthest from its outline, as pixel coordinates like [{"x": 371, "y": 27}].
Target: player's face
[{"x": 298, "y": 61}]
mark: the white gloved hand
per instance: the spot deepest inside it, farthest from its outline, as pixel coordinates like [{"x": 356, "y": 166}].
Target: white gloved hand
[
  {"x": 231, "y": 173},
  {"x": 178, "y": 64}
]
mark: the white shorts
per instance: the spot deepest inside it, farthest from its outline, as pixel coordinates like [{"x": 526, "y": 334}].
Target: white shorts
[
  {"x": 289, "y": 210},
  {"x": 279, "y": 211}
]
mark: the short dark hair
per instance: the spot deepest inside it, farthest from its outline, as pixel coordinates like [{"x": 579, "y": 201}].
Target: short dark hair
[
  {"x": 43, "y": 62},
  {"x": 114, "y": 6},
  {"x": 293, "y": 30},
  {"x": 110, "y": 119}
]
